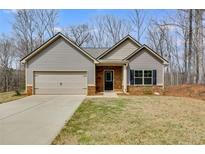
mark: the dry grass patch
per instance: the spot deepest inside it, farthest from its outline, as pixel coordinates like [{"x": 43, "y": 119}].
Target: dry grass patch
[
  {"x": 136, "y": 120},
  {"x": 9, "y": 96}
]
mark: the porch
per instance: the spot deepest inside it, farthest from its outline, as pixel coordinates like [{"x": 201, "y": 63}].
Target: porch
[{"x": 111, "y": 76}]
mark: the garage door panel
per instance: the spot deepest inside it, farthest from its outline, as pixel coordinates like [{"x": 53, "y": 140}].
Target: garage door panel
[
  {"x": 52, "y": 91},
  {"x": 61, "y": 83},
  {"x": 49, "y": 82},
  {"x": 57, "y": 84}
]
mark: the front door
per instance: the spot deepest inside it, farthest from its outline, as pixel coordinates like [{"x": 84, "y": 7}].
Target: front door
[{"x": 108, "y": 80}]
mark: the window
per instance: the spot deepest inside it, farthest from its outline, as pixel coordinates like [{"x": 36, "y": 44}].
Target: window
[
  {"x": 143, "y": 77},
  {"x": 132, "y": 77},
  {"x": 147, "y": 77},
  {"x": 138, "y": 77}
]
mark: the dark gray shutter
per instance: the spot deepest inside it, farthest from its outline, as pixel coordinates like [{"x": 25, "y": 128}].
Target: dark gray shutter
[
  {"x": 154, "y": 77},
  {"x": 132, "y": 77}
]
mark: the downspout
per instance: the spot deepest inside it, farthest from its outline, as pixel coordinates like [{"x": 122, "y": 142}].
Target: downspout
[{"x": 125, "y": 78}]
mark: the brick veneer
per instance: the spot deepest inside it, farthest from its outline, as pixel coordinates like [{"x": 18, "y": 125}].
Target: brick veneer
[
  {"x": 29, "y": 90},
  {"x": 141, "y": 90},
  {"x": 100, "y": 77},
  {"x": 91, "y": 90}
]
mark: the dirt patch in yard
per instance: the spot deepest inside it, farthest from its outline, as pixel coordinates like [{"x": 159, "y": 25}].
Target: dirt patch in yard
[{"x": 188, "y": 90}]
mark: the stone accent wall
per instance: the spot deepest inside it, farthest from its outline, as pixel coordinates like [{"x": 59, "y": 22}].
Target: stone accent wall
[
  {"x": 29, "y": 90},
  {"x": 91, "y": 90},
  {"x": 144, "y": 90},
  {"x": 100, "y": 77}
]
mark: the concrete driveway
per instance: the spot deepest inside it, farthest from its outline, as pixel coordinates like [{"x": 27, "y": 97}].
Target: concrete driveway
[{"x": 36, "y": 119}]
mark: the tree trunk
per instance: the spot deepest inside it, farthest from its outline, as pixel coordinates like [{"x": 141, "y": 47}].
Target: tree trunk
[
  {"x": 199, "y": 45},
  {"x": 190, "y": 46},
  {"x": 185, "y": 60}
]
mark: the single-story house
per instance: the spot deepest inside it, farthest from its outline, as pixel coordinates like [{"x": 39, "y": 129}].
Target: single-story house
[{"x": 59, "y": 66}]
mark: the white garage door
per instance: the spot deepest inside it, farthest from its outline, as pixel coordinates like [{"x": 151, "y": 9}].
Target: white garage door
[{"x": 60, "y": 83}]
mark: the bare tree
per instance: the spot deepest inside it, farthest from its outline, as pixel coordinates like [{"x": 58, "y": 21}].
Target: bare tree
[
  {"x": 32, "y": 27},
  {"x": 24, "y": 28},
  {"x": 106, "y": 30},
  {"x": 7, "y": 59},
  {"x": 45, "y": 24},
  {"x": 51, "y": 20},
  {"x": 99, "y": 38},
  {"x": 189, "y": 26},
  {"x": 115, "y": 28},
  {"x": 198, "y": 44},
  {"x": 138, "y": 23},
  {"x": 183, "y": 23},
  {"x": 163, "y": 38},
  {"x": 156, "y": 37},
  {"x": 182, "y": 31},
  {"x": 190, "y": 36},
  {"x": 79, "y": 34}
]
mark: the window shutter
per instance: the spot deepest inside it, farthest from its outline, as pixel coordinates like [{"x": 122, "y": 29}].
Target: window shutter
[
  {"x": 132, "y": 77},
  {"x": 154, "y": 77}
]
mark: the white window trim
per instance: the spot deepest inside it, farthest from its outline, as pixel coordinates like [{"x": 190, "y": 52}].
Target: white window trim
[{"x": 143, "y": 77}]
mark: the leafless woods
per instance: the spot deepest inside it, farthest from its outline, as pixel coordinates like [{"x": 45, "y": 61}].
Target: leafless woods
[{"x": 178, "y": 37}]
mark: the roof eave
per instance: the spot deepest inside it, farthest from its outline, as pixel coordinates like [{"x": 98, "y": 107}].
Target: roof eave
[
  {"x": 165, "y": 62},
  {"x": 133, "y": 53},
  {"x": 26, "y": 58}
]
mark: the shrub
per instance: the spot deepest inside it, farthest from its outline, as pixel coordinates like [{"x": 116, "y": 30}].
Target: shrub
[{"x": 17, "y": 93}]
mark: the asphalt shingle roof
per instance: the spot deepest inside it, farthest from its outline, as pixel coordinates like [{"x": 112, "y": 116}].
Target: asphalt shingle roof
[{"x": 95, "y": 52}]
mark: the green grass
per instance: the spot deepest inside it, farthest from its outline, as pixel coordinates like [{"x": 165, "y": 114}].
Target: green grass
[
  {"x": 136, "y": 120},
  {"x": 9, "y": 96}
]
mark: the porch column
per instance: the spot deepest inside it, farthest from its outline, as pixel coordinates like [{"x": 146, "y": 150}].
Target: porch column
[{"x": 125, "y": 78}]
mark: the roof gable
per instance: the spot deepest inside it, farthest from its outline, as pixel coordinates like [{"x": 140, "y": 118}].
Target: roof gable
[
  {"x": 152, "y": 52},
  {"x": 95, "y": 52},
  {"x": 88, "y": 53},
  {"x": 49, "y": 42},
  {"x": 128, "y": 37}
]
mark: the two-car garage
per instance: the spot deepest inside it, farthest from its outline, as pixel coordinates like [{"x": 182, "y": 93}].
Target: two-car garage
[
  {"x": 59, "y": 67},
  {"x": 60, "y": 82}
]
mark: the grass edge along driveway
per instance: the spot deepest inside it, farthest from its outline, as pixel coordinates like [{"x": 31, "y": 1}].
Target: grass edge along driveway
[{"x": 9, "y": 96}]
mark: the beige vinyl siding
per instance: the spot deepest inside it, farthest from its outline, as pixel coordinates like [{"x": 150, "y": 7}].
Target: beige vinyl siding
[
  {"x": 60, "y": 83},
  {"x": 122, "y": 50},
  {"x": 145, "y": 61},
  {"x": 60, "y": 56}
]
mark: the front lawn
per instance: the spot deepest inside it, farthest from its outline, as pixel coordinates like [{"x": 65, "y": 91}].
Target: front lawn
[
  {"x": 9, "y": 96},
  {"x": 136, "y": 120}
]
